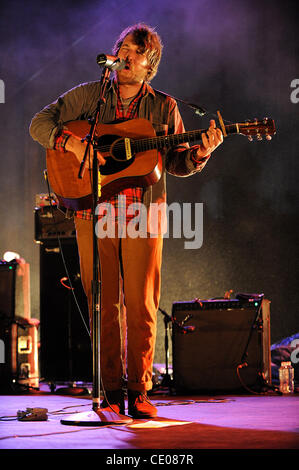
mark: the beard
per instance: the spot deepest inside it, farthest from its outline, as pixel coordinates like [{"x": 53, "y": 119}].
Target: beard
[{"x": 130, "y": 77}]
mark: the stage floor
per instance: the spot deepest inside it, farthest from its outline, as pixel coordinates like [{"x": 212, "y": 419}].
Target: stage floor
[{"x": 184, "y": 422}]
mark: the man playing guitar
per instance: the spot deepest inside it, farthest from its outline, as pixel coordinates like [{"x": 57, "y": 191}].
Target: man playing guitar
[{"x": 130, "y": 264}]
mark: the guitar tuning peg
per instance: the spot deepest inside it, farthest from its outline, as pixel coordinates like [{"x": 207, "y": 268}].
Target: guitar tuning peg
[
  {"x": 250, "y": 138},
  {"x": 268, "y": 137},
  {"x": 259, "y": 137}
]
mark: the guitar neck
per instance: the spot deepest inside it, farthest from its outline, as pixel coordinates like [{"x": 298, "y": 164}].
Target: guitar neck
[
  {"x": 249, "y": 129},
  {"x": 172, "y": 140}
]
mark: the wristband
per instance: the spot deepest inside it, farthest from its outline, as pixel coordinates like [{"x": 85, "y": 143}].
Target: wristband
[{"x": 61, "y": 140}]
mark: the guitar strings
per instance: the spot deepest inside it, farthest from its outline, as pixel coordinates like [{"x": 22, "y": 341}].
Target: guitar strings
[
  {"x": 159, "y": 142},
  {"x": 151, "y": 142}
]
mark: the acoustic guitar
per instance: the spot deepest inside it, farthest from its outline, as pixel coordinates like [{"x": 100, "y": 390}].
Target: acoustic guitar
[{"x": 133, "y": 157}]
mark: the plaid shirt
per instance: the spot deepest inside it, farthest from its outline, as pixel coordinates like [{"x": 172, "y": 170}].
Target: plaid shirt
[{"x": 132, "y": 195}]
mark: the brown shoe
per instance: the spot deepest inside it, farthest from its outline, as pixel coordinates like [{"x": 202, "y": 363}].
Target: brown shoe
[
  {"x": 114, "y": 401},
  {"x": 139, "y": 405}
]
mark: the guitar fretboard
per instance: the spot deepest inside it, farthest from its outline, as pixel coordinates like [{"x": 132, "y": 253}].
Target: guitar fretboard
[{"x": 172, "y": 140}]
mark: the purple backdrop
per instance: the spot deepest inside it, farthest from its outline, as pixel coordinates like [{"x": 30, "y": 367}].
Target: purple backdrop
[{"x": 239, "y": 57}]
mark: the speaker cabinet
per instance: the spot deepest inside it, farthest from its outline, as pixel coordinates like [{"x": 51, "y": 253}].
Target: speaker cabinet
[
  {"x": 213, "y": 338},
  {"x": 51, "y": 222},
  {"x": 14, "y": 289},
  {"x": 18, "y": 354},
  {"x": 66, "y": 353}
]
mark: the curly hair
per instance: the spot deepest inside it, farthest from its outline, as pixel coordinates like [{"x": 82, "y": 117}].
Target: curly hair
[{"x": 148, "y": 40}]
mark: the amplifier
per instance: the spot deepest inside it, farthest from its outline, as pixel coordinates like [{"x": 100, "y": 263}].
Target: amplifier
[
  {"x": 18, "y": 354},
  {"x": 65, "y": 352},
  {"x": 51, "y": 222},
  {"x": 15, "y": 289},
  {"x": 211, "y": 339}
]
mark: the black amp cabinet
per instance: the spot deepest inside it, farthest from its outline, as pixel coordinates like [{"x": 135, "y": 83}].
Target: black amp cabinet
[
  {"x": 66, "y": 353},
  {"x": 214, "y": 338},
  {"x": 65, "y": 344},
  {"x": 14, "y": 289}
]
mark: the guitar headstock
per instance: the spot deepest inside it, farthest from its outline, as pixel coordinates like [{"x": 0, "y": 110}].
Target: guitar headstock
[{"x": 258, "y": 129}]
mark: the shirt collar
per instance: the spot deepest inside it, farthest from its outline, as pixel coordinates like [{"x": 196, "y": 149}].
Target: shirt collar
[{"x": 147, "y": 89}]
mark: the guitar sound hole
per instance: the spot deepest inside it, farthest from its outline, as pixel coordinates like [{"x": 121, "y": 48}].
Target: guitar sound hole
[{"x": 113, "y": 166}]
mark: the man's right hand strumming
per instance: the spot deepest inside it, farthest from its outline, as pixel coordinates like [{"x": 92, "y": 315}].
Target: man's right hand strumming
[{"x": 75, "y": 145}]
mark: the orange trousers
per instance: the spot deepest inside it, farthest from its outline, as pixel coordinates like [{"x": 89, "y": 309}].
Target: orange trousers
[{"x": 130, "y": 271}]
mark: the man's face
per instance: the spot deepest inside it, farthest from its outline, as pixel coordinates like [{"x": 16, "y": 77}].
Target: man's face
[{"x": 137, "y": 66}]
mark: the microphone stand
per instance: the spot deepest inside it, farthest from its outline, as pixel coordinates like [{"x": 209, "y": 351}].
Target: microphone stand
[
  {"x": 167, "y": 381},
  {"x": 97, "y": 416}
]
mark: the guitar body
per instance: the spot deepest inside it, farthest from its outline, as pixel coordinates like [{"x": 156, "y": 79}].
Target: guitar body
[{"x": 141, "y": 169}]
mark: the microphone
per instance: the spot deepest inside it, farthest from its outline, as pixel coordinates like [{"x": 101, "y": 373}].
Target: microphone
[{"x": 111, "y": 62}]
